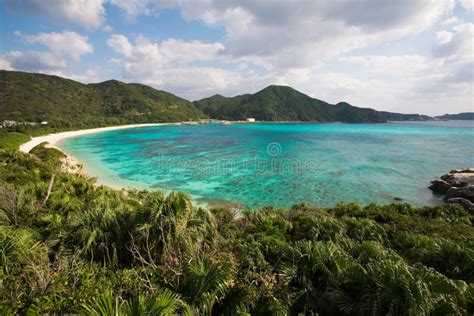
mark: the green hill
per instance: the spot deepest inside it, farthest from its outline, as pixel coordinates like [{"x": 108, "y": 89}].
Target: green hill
[
  {"x": 281, "y": 103},
  {"x": 63, "y": 102},
  {"x": 67, "y": 104},
  {"x": 389, "y": 116},
  {"x": 466, "y": 116}
]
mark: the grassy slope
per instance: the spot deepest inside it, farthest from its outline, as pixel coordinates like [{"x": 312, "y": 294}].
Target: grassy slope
[
  {"x": 67, "y": 103},
  {"x": 12, "y": 140},
  {"x": 89, "y": 248}
]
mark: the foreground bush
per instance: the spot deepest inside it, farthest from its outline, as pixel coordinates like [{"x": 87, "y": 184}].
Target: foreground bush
[{"x": 87, "y": 249}]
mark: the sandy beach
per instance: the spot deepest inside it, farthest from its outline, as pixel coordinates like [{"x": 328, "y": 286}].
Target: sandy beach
[
  {"x": 72, "y": 165},
  {"x": 53, "y": 139}
]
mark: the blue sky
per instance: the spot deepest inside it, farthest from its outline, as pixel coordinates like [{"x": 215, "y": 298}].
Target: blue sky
[{"x": 411, "y": 56}]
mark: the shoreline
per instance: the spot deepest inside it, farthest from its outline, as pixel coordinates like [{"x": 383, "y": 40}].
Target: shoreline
[
  {"x": 73, "y": 165},
  {"x": 53, "y": 139}
]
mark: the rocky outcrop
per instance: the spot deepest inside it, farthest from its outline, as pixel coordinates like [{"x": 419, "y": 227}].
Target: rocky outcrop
[
  {"x": 454, "y": 179},
  {"x": 440, "y": 186},
  {"x": 457, "y": 186},
  {"x": 464, "y": 192}
]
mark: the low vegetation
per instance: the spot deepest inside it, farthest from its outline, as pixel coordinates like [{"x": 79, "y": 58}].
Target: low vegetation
[
  {"x": 11, "y": 140},
  {"x": 13, "y": 136},
  {"x": 70, "y": 246}
]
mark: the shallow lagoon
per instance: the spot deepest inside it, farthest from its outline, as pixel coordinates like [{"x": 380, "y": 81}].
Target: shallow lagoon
[{"x": 281, "y": 164}]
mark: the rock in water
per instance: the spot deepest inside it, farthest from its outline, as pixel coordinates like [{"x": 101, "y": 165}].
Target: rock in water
[
  {"x": 458, "y": 186},
  {"x": 439, "y": 186},
  {"x": 464, "y": 193}
]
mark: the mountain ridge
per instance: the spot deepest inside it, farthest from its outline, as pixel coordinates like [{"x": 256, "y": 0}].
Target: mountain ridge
[
  {"x": 458, "y": 116},
  {"x": 63, "y": 102},
  {"x": 284, "y": 103}
]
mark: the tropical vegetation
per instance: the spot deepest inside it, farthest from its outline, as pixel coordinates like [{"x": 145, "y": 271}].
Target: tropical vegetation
[
  {"x": 11, "y": 140},
  {"x": 68, "y": 104},
  {"x": 68, "y": 245},
  {"x": 65, "y": 103},
  {"x": 282, "y": 103}
]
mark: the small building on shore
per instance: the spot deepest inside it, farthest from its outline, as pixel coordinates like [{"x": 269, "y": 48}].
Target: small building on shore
[{"x": 250, "y": 119}]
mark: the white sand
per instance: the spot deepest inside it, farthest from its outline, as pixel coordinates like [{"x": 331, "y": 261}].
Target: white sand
[{"x": 53, "y": 139}]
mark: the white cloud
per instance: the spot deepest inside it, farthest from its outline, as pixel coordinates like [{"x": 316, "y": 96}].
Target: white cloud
[
  {"x": 189, "y": 51},
  {"x": 467, "y": 5},
  {"x": 459, "y": 44},
  {"x": 63, "y": 48},
  {"x": 165, "y": 52},
  {"x": 444, "y": 37},
  {"x": 302, "y": 33},
  {"x": 5, "y": 64},
  {"x": 107, "y": 28},
  {"x": 171, "y": 65},
  {"x": 89, "y": 14},
  {"x": 133, "y": 8},
  {"x": 398, "y": 66},
  {"x": 95, "y": 74},
  {"x": 120, "y": 44},
  {"x": 451, "y": 21},
  {"x": 64, "y": 44},
  {"x": 453, "y": 84},
  {"x": 32, "y": 61}
]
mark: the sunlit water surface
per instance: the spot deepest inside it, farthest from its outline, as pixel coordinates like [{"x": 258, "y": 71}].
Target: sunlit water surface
[{"x": 281, "y": 164}]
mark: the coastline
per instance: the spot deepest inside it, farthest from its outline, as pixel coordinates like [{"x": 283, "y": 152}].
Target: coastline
[
  {"x": 76, "y": 163},
  {"x": 73, "y": 165},
  {"x": 53, "y": 139}
]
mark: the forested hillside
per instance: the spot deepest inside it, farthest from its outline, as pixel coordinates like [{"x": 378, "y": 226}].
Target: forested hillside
[
  {"x": 281, "y": 103},
  {"x": 67, "y": 103},
  {"x": 68, "y": 246},
  {"x": 389, "y": 116},
  {"x": 466, "y": 116}
]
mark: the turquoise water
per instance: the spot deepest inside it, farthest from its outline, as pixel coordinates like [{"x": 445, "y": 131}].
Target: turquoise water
[{"x": 281, "y": 164}]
